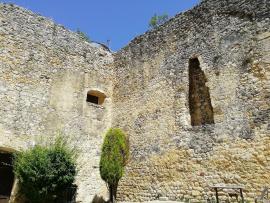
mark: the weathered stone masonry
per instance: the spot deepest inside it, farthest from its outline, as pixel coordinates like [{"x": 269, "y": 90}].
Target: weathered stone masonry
[
  {"x": 193, "y": 96},
  {"x": 209, "y": 65},
  {"x": 46, "y": 72}
]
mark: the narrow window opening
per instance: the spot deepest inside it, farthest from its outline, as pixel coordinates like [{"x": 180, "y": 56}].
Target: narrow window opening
[
  {"x": 201, "y": 110},
  {"x": 92, "y": 99},
  {"x": 6, "y": 176},
  {"x": 95, "y": 97}
]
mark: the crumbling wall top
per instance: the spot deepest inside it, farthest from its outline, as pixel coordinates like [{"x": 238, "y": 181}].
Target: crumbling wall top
[
  {"x": 200, "y": 17},
  {"x": 16, "y": 21}
]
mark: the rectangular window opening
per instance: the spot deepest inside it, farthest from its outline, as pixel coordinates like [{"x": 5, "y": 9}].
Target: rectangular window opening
[{"x": 92, "y": 99}]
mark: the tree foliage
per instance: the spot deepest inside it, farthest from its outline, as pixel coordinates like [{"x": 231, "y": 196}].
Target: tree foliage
[
  {"x": 157, "y": 20},
  {"x": 43, "y": 172},
  {"x": 114, "y": 157}
]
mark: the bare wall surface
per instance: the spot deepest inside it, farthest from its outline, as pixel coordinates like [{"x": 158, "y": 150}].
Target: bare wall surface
[
  {"x": 171, "y": 158},
  {"x": 45, "y": 74},
  {"x": 189, "y": 126}
]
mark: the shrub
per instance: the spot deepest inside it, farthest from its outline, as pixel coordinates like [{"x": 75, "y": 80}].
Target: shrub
[
  {"x": 156, "y": 20},
  {"x": 114, "y": 157},
  {"x": 83, "y": 36},
  {"x": 44, "y": 172}
]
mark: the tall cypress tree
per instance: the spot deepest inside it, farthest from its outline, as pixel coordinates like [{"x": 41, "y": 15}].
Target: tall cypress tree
[{"x": 114, "y": 157}]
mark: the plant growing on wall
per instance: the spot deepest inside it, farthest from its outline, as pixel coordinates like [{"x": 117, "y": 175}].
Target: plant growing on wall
[
  {"x": 158, "y": 20},
  {"x": 44, "y": 172},
  {"x": 114, "y": 157},
  {"x": 83, "y": 36}
]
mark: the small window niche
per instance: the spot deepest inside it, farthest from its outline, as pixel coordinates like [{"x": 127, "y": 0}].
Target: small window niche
[{"x": 95, "y": 97}]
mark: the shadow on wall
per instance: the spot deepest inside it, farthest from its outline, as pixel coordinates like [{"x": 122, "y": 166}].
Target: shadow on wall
[
  {"x": 6, "y": 176},
  {"x": 201, "y": 110},
  {"x": 98, "y": 199}
]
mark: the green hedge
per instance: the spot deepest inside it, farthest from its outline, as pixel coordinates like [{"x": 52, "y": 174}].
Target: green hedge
[{"x": 44, "y": 172}]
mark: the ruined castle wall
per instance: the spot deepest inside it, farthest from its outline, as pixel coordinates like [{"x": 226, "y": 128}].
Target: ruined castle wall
[
  {"x": 172, "y": 159},
  {"x": 45, "y": 74}
]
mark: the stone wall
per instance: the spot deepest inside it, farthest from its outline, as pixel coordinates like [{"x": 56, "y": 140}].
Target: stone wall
[
  {"x": 172, "y": 159},
  {"x": 45, "y": 74},
  {"x": 189, "y": 126}
]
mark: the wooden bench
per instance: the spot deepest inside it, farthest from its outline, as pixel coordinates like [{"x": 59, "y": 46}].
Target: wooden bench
[{"x": 231, "y": 190}]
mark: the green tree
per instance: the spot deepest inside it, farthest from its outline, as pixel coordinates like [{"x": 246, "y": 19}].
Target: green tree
[
  {"x": 83, "y": 36},
  {"x": 157, "y": 20},
  {"x": 44, "y": 172},
  {"x": 114, "y": 157}
]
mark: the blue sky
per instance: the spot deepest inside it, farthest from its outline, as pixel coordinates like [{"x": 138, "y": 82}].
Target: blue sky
[{"x": 116, "y": 20}]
